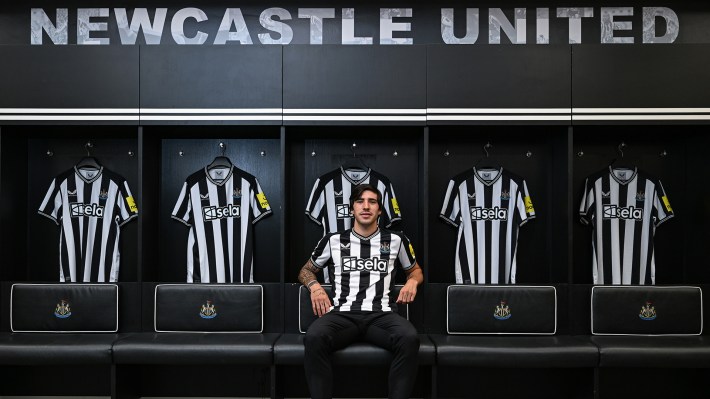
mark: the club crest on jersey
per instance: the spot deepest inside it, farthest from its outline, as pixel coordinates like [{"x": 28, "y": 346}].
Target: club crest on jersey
[
  {"x": 338, "y": 194},
  {"x": 210, "y": 213},
  {"x": 504, "y": 195},
  {"x": 495, "y": 213},
  {"x": 237, "y": 193},
  {"x": 502, "y": 311},
  {"x": 90, "y": 210},
  {"x": 648, "y": 311},
  {"x": 628, "y": 213},
  {"x": 63, "y": 310},
  {"x": 103, "y": 195},
  {"x": 385, "y": 247},
  {"x": 640, "y": 196},
  {"x": 342, "y": 211},
  {"x": 353, "y": 264},
  {"x": 207, "y": 311}
]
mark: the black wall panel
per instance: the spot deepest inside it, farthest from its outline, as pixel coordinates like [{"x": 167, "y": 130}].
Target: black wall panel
[
  {"x": 71, "y": 77},
  {"x": 360, "y": 77},
  {"x": 515, "y": 78},
  {"x": 188, "y": 78},
  {"x": 658, "y": 76}
]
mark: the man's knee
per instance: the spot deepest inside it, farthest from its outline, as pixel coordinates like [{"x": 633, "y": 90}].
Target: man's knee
[
  {"x": 315, "y": 339},
  {"x": 407, "y": 340}
]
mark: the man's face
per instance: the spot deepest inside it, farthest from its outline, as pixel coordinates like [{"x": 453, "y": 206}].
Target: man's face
[{"x": 366, "y": 210}]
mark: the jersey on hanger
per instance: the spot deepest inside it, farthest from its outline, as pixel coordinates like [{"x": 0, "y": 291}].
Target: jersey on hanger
[
  {"x": 364, "y": 267},
  {"x": 488, "y": 206},
  {"x": 90, "y": 206},
  {"x": 221, "y": 206},
  {"x": 329, "y": 203},
  {"x": 624, "y": 206}
]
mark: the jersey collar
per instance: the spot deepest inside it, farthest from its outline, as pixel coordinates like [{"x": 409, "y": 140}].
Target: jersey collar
[
  {"x": 368, "y": 237},
  {"x": 488, "y": 182},
  {"x": 229, "y": 175},
  {"x": 89, "y": 181},
  {"x": 623, "y": 182},
  {"x": 356, "y": 182}
]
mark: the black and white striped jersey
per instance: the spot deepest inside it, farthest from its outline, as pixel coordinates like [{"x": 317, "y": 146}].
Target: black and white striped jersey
[
  {"x": 90, "y": 206},
  {"x": 624, "y": 206},
  {"x": 488, "y": 206},
  {"x": 220, "y": 206},
  {"x": 364, "y": 267},
  {"x": 329, "y": 203}
]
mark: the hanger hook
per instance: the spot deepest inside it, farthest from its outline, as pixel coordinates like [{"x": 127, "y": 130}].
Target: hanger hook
[
  {"x": 621, "y": 147},
  {"x": 88, "y": 147},
  {"x": 353, "y": 147},
  {"x": 486, "y": 147},
  {"x": 223, "y": 147}
]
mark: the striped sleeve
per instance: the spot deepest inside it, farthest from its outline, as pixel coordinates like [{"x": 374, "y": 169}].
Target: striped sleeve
[
  {"x": 52, "y": 202},
  {"x": 259, "y": 204},
  {"x": 316, "y": 203},
  {"x": 661, "y": 205},
  {"x": 126, "y": 204},
  {"x": 524, "y": 204},
  {"x": 183, "y": 207},
  {"x": 391, "y": 206},
  {"x": 450, "y": 210},
  {"x": 586, "y": 207},
  {"x": 406, "y": 256},
  {"x": 322, "y": 253}
]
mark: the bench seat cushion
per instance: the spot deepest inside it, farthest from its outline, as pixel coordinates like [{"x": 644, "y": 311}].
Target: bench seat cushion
[
  {"x": 195, "y": 348},
  {"x": 289, "y": 350},
  {"x": 515, "y": 351},
  {"x": 641, "y": 351},
  {"x": 52, "y": 348}
]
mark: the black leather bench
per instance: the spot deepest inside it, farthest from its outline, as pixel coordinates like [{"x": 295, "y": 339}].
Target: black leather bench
[
  {"x": 289, "y": 349},
  {"x": 203, "y": 327},
  {"x": 508, "y": 326},
  {"x": 59, "y": 330}
]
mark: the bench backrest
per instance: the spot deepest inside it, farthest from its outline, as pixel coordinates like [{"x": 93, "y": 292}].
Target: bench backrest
[
  {"x": 209, "y": 308},
  {"x": 644, "y": 310},
  {"x": 60, "y": 308},
  {"x": 479, "y": 309}
]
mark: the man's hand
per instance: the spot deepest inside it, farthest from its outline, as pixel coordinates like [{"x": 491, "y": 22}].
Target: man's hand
[
  {"x": 408, "y": 292},
  {"x": 319, "y": 300}
]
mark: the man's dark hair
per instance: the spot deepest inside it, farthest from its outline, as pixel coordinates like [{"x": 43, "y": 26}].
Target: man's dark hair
[{"x": 356, "y": 194}]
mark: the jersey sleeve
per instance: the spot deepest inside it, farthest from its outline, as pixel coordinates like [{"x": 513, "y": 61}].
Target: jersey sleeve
[
  {"x": 322, "y": 254},
  {"x": 661, "y": 206},
  {"x": 586, "y": 207},
  {"x": 316, "y": 203},
  {"x": 450, "y": 210},
  {"x": 183, "y": 208},
  {"x": 391, "y": 206},
  {"x": 126, "y": 204},
  {"x": 406, "y": 255},
  {"x": 259, "y": 204},
  {"x": 524, "y": 205},
  {"x": 52, "y": 203}
]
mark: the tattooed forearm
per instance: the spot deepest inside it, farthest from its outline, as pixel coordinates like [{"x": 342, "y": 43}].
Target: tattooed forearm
[{"x": 308, "y": 273}]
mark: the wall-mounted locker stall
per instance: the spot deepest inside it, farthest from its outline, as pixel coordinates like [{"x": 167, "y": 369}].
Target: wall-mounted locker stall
[{"x": 642, "y": 110}]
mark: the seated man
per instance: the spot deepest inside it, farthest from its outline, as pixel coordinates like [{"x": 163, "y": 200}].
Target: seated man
[{"x": 364, "y": 260}]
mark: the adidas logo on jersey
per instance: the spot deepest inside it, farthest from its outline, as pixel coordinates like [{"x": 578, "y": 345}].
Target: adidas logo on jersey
[
  {"x": 353, "y": 264},
  {"x": 210, "y": 213},
  {"x": 91, "y": 210},
  {"x": 630, "y": 213},
  {"x": 495, "y": 213}
]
